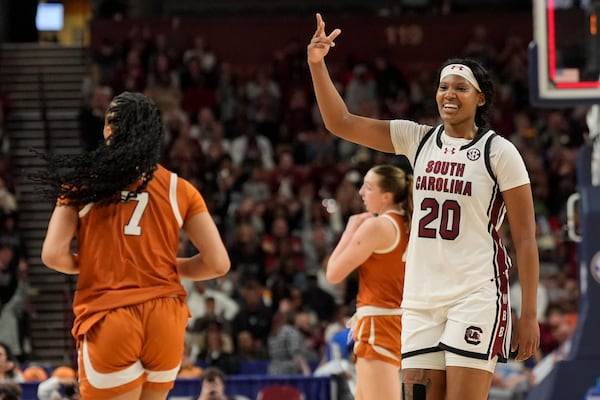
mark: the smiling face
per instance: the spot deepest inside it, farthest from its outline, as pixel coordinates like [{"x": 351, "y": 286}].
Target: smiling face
[{"x": 457, "y": 100}]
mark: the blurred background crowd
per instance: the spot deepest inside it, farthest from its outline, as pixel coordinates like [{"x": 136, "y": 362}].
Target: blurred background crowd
[{"x": 281, "y": 187}]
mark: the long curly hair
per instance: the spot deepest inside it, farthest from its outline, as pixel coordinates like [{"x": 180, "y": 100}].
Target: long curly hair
[{"x": 129, "y": 155}]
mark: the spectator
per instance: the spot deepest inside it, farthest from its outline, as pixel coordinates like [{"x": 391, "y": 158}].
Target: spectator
[
  {"x": 197, "y": 89},
  {"x": 286, "y": 347},
  {"x": 263, "y": 95},
  {"x": 107, "y": 58},
  {"x": 361, "y": 89},
  {"x": 252, "y": 148},
  {"x": 225, "y": 307},
  {"x": 515, "y": 296},
  {"x": 9, "y": 368},
  {"x": 563, "y": 333},
  {"x": 11, "y": 314},
  {"x": 390, "y": 81},
  {"x": 318, "y": 144},
  {"x": 256, "y": 186},
  {"x": 315, "y": 229},
  {"x": 213, "y": 386},
  {"x": 246, "y": 254},
  {"x": 217, "y": 349},
  {"x": 62, "y": 385},
  {"x": 188, "y": 370},
  {"x": 10, "y": 391},
  {"x": 287, "y": 177},
  {"x": 4, "y": 108},
  {"x": 254, "y": 315},
  {"x": 91, "y": 118},
  {"x": 510, "y": 381},
  {"x": 479, "y": 46},
  {"x": 206, "y": 57},
  {"x": 131, "y": 74},
  {"x": 312, "y": 333},
  {"x": 12, "y": 237},
  {"x": 338, "y": 363},
  {"x": 8, "y": 200},
  {"x": 185, "y": 152},
  {"x": 163, "y": 84},
  {"x": 92, "y": 80},
  {"x": 210, "y": 317},
  {"x": 247, "y": 349},
  {"x": 278, "y": 242},
  {"x": 230, "y": 98},
  {"x": 9, "y": 277},
  {"x": 555, "y": 328},
  {"x": 318, "y": 300}
]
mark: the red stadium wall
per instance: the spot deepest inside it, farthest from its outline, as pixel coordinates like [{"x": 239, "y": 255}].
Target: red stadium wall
[{"x": 254, "y": 39}]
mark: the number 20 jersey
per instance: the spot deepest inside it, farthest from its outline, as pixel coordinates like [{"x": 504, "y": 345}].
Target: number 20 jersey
[{"x": 454, "y": 244}]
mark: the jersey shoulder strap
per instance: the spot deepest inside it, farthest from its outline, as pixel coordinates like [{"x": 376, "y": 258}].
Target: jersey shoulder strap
[
  {"x": 425, "y": 139},
  {"x": 486, "y": 155}
]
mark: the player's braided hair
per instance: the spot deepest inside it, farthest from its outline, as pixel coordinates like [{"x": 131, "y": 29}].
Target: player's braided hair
[
  {"x": 129, "y": 155},
  {"x": 485, "y": 84}
]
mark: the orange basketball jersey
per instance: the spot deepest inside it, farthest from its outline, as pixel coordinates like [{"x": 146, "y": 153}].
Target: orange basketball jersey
[
  {"x": 381, "y": 276},
  {"x": 127, "y": 251}
]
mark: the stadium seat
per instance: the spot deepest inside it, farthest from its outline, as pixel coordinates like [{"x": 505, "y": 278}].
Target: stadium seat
[{"x": 279, "y": 392}]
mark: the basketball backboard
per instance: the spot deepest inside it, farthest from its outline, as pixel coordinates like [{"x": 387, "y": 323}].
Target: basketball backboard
[{"x": 564, "y": 57}]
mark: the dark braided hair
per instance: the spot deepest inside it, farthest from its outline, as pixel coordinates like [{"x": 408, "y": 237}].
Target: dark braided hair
[
  {"x": 129, "y": 155},
  {"x": 485, "y": 84}
]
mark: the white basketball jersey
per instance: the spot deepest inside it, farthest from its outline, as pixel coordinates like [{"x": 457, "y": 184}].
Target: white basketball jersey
[{"x": 454, "y": 245}]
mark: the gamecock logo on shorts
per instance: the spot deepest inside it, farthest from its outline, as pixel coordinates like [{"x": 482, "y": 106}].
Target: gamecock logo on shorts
[{"x": 473, "y": 335}]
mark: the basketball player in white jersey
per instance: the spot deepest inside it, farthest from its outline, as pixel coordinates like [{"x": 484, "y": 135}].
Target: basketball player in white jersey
[{"x": 456, "y": 311}]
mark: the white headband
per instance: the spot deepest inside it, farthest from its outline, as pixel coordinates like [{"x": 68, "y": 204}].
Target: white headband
[{"x": 460, "y": 70}]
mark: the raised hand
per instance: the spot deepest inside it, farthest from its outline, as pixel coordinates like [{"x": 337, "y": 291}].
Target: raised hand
[{"x": 321, "y": 43}]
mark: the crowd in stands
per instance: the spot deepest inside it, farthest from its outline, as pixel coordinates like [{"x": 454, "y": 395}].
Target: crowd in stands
[
  {"x": 13, "y": 256},
  {"x": 281, "y": 187}
]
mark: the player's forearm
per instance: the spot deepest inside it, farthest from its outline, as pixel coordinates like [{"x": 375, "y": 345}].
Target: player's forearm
[
  {"x": 529, "y": 274},
  {"x": 66, "y": 262},
  {"x": 200, "y": 268},
  {"x": 343, "y": 243},
  {"x": 331, "y": 105}
]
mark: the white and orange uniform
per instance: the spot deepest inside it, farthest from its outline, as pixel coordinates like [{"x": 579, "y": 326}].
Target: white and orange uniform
[
  {"x": 130, "y": 310},
  {"x": 377, "y": 323}
]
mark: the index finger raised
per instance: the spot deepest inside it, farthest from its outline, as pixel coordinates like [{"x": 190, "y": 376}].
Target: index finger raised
[{"x": 320, "y": 25}]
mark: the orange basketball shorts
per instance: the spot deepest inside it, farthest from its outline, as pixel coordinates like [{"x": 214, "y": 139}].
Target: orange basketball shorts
[
  {"x": 378, "y": 337},
  {"x": 133, "y": 346}
]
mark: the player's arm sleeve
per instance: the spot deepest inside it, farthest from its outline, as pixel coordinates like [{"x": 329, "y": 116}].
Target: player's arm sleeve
[
  {"x": 406, "y": 136},
  {"x": 508, "y": 165},
  {"x": 189, "y": 199},
  {"x": 56, "y": 248},
  {"x": 212, "y": 259}
]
